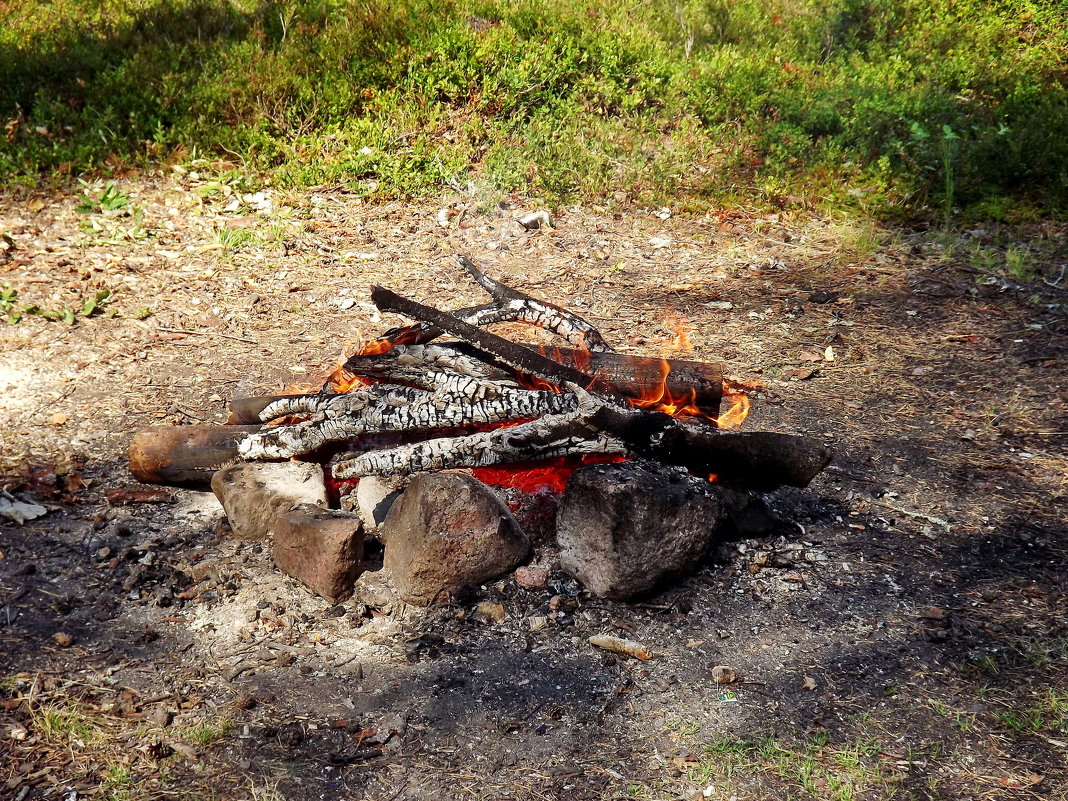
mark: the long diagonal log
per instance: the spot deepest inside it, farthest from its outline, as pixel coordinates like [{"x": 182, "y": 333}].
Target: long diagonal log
[
  {"x": 515, "y": 356},
  {"x": 509, "y": 305}
]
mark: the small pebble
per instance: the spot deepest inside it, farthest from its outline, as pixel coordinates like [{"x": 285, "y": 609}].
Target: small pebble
[
  {"x": 721, "y": 674},
  {"x": 532, "y": 578}
]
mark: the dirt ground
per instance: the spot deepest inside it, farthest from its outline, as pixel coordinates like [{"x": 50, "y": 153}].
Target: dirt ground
[{"x": 912, "y": 641}]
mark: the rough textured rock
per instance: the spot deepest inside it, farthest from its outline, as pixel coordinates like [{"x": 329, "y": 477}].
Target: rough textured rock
[
  {"x": 321, "y": 548},
  {"x": 532, "y": 578},
  {"x": 375, "y": 590},
  {"x": 254, "y": 495},
  {"x": 375, "y": 497},
  {"x": 625, "y": 528},
  {"x": 447, "y": 532}
]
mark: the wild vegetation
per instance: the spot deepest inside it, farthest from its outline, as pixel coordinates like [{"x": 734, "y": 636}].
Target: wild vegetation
[{"x": 903, "y": 109}]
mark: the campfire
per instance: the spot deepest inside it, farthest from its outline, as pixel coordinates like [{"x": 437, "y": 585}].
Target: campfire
[{"x": 509, "y": 414}]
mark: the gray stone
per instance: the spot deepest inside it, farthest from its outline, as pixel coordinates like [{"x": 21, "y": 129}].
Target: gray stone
[
  {"x": 374, "y": 589},
  {"x": 321, "y": 548},
  {"x": 374, "y": 498},
  {"x": 447, "y": 532},
  {"x": 625, "y": 528},
  {"x": 254, "y": 495}
]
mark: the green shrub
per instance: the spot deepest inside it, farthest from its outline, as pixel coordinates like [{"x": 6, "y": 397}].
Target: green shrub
[{"x": 848, "y": 100}]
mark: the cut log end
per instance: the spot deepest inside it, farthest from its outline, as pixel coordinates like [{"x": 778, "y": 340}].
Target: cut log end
[{"x": 185, "y": 456}]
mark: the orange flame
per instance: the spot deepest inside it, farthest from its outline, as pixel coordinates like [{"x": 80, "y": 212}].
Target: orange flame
[
  {"x": 341, "y": 380},
  {"x": 660, "y": 398}
]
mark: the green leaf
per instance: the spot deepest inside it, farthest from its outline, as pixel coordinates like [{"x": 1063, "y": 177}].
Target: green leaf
[
  {"x": 67, "y": 316},
  {"x": 96, "y": 303}
]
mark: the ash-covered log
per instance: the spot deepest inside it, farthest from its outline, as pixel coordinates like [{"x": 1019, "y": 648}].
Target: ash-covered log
[
  {"x": 548, "y": 437},
  {"x": 388, "y": 407}
]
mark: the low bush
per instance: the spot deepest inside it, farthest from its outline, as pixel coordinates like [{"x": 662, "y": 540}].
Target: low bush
[{"x": 902, "y": 107}]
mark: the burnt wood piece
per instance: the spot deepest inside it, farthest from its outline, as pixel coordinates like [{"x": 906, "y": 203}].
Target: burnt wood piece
[
  {"x": 756, "y": 460},
  {"x": 541, "y": 313},
  {"x": 515, "y": 356},
  {"x": 382, "y": 407},
  {"x": 546, "y": 438},
  {"x": 185, "y": 456}
]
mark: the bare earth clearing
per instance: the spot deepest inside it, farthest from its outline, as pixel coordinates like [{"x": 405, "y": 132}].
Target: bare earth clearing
[{"x": 909, "y": 638}]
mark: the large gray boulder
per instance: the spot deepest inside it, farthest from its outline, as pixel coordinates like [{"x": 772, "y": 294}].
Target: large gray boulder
[
  {"x": 625, "y": 528},
  {"x": 448, "y": 531}
]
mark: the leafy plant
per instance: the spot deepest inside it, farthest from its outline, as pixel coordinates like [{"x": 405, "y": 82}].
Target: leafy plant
[
  {"x": 92, "y": 306},
  {"x": 110, "y": 199}
]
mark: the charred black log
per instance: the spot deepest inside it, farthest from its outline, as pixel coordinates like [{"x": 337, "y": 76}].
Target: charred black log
[
  {"x": 756, "y": 460},
  {"x": 515, "y": 356}
]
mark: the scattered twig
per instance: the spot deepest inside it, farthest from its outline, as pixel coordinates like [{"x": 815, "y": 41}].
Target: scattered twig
[
  {"x": 945, "y": 524},
  {"x": 207, "y": 334}
]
